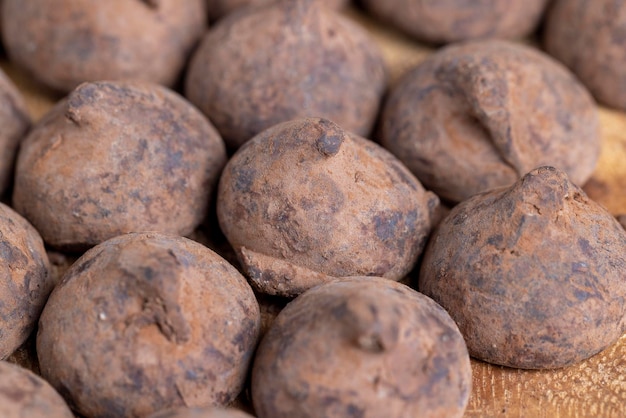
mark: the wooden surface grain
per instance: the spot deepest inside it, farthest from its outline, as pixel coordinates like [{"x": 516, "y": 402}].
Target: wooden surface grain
[{"x": 593, "y": 388}]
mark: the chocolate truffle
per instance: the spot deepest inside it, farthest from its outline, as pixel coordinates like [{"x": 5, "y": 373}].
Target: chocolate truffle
[
  {"x": 444, "y": 21},
  {"x": 25, "y": 280},
  {"x": 481, "y": 114},
  {"x": 364, "y": 347},
  {"x": 292, "y": 59},
  {"x": 533, "y": 274},
  {"x": 15, "y": 123},
  {"x": 117, "y": 157},
  {"x": 588, "y": 37},
  {"x": 63, "y": 43},
  {"x": 145, "y": 322},
  {"x": 305, "y": 200}
]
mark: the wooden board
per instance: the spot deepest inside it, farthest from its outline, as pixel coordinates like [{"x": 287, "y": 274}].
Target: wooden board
[{"x": 593, "y": 388}]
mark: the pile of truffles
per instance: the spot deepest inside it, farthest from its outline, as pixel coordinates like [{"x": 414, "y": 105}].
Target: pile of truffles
[{"x": 247, "y": 218}]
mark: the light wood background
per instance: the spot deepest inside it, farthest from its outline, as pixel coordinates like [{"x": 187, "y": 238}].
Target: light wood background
[{"x": 593, "y": 388}]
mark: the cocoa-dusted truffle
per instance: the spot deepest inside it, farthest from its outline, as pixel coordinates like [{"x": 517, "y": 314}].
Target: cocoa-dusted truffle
[
  {"x": 305, "y": 199},
  {"x": 117, "y": 157},
  {"x": 364, "y": 347},
  {"x": 25, "y": 280},
  {"x": 63, "y": 43},
  {"x": 154, "y": 322},
  {"x": 23, "y": 394},
  {"x": 14, "y": 123},
  {"x": 443, "y": 21},
  {"x": 292, "y": 59},
  {"x": 532, "y": 274},
  {"x": 220, "y": 8},
  {"x": 481, "y": 114},
  {"x": 587, "y": 36}
]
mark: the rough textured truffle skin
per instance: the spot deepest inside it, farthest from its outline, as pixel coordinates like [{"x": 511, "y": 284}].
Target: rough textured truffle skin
[
  {"x": 200, "y": 413},
  {"x": 220, "y": 8},
  {"x": 305, "y": 200},
  {"x": 392, "y": 351},
  {"x": 25, "y": 279},
  {"x": 532, "y": 274},
  {"x": 26, "y": 395},
  {"x": 154, "y": 322},
  {"x": 587, "y": 36},
  {"x": 481, "y": 114},
  {"x": 444, "y": 21},
  {"x": 117, "y": 157},
  {"x": 15, "y": 122},
  {"x": 289, "y": 60},
  {"x": 106, "y": 40}
]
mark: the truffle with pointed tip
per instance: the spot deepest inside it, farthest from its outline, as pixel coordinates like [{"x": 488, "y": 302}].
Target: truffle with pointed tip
[
  {"x": 105, "y": 40},
  {"x": 533, "y": 274},
  {"x": 117, "y": 157},
  {"x": 361, "y": 347},
  {"x": 444, "y": 21},
  {"x": 588, "y": 37},
  {"x": 154, "y": 322},
  {"x": 15, "y": 123},
  {"x": 25, "y": 279},
  {"x": 306, "y": 201},
  {"x": 481, "y": 114},
  {"x": 289, "y": 60},
  {"x": 23, "y": 394}
]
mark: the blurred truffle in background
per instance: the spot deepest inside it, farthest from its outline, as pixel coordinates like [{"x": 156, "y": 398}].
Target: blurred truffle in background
[
  {"x": 445, "y": 21},
  {"x": 220, "y": 8},
  {"x": 294, "y": 59},
  {"x": 14, "y": 123},
  {"x": 589, "y": 37},
  {"x": 63, "y": 43}
]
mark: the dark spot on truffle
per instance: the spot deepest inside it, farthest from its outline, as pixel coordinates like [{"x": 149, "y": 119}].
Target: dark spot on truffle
[
  {"x": 148, "y": 273},
  {"x": 386, "y": 224},
  {"x": 173, "y": 161},
  {"x": 585, "y": 247},
  {"x": 12, "y": 256},
  {"x": 582, "y": 295},
  {"x": 437, "y": 370},
  {"x": 354, "y": 411},
  {"x": 83, "y": 265},
  {"x": 141, "y": 150},
  {"x": 245, "y": 336},
  {"x": 13, "y": 393},
  {"x": 244, "y": 178},
  {"x": 495, "y": 240},
  {"x": 340, "y": 311}
]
